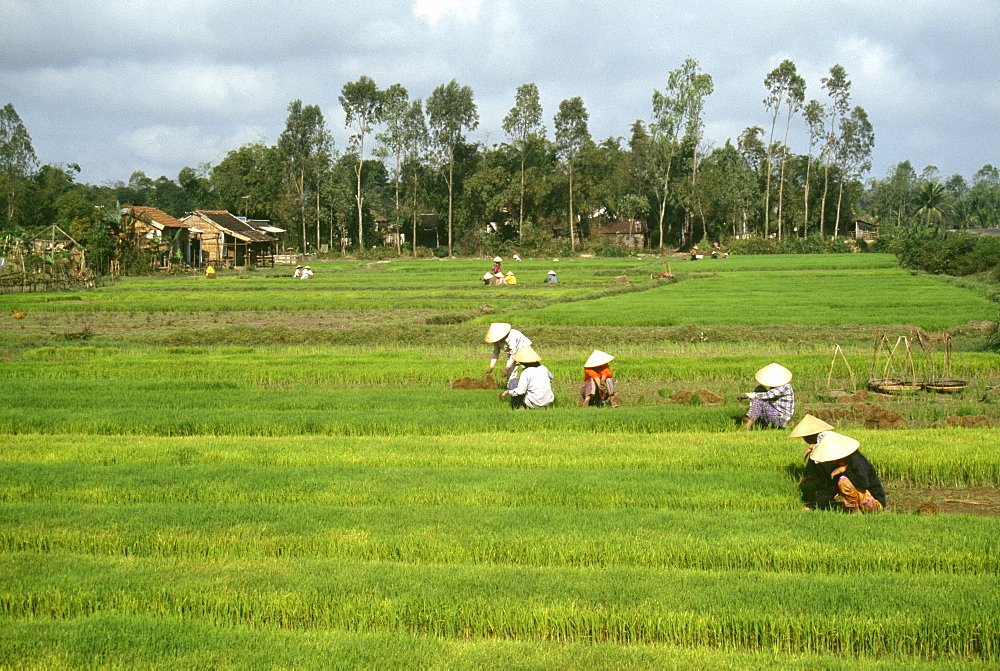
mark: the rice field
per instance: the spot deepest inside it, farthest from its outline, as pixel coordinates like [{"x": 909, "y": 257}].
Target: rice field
[{"x": 203, "y": 493}]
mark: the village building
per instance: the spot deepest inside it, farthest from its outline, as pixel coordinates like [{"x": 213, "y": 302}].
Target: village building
[
  {"x": 864, "y": 230},
  {"x": 167, "y": 237},
  {"x": 228, "y": 241}
]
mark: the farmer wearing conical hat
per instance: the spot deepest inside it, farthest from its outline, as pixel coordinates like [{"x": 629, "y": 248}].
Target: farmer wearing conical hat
[
  {"x": 496, "y": 265},
  {"x": 838, "y": 469},
  {"x": 505, "y": 339},
  {"x": 552, "y": 277},
  {"x": 509, "y": 278},
  {"x": 773, "y": 400},
  {"x": 598, "y": 382},
  {"x": 498, "y": 279},
  {"x": 488, "y": 279},
  {"x": 533, "y": 388}
]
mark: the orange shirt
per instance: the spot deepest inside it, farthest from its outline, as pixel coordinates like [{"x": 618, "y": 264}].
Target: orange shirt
[{"x": 601, "y": 372}]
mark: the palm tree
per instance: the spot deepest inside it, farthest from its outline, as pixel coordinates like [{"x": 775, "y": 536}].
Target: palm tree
[{"x": 931, "y": 200}]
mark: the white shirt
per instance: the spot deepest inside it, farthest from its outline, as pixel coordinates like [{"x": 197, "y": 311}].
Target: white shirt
[
  {"x": 535, "y": 384},
  {"x": 514, "y": 341}
]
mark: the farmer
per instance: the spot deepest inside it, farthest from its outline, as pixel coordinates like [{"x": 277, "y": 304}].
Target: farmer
[
  {"x": 498, "y": 279},
  {"x": 307, "y": 273},
  {"x": 488, "y": 279},
  {"x": 773, "y": 400},
  {"x": 496, "y": 264},
  {"x": 552, "y": 277},
  {"x": 533, "y": 388},
  {"x": 509, "y": 278},
  {"x": 504, "y": 338},
  {"x": 298, "y": 272},
  {"x": 838, "y": 469},
  {"x": 598, "y": 381}
]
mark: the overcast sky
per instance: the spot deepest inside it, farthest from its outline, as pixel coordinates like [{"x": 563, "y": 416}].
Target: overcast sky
[{"x": 124, "y": 85}]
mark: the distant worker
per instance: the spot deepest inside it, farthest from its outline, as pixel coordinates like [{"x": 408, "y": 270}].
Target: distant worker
[
  {"x": 298, "y": 272},
  {"x": 488, "y": 279},
  {"x": 516, "y": 257},
  {"x": 505, "y": 339},
  {"x": 838, "y": 469},
  {"x": 210, "y": 273},
  {"x": 510, "y": 279},
  {"x": 694, "y": 253},
  {"x": 598, "y": 382},
  {"x": 307, "y": 273},
  {"x": 773, "y": 400},
  {"x": 533, "y": 387},
  {"x": 496, "y": 265},
  {"x": 552, "y": 277},
  {"x": 498, "y": 279}
]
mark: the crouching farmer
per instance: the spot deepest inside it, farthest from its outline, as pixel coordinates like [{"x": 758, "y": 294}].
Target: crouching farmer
[
  {"x": 773, "y": 400},
  {"x": 598, "y": 382},
  {"x": 533, "y": 388},
  {"x": 838, "y": 469}
]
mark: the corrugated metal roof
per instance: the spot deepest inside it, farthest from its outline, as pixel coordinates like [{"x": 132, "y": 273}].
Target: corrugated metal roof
[{"x": 235, "y": 227}]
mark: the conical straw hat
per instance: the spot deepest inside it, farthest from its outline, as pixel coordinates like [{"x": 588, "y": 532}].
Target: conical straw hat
[
  {"x": 488, "y": 276},
  {"x": 597, "y": 358},
  {"x": 510, "y": 272},
  {"x": 552, "y": 272},
  {"x": 773, "y": 375},
  {"x": 498, "y": 275},
  {"x": 497, "y": 259},
  {"x": 497, "y": 332},
  {"x": 808, "y": 426},
  {"x": 833, "y": 446},
  {"x": 526, "y": 355}
]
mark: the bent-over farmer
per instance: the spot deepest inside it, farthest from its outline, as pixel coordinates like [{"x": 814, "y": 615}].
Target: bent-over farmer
[
  {"x": 838, "y": 469},
  {"x": 505, "y": 339}
]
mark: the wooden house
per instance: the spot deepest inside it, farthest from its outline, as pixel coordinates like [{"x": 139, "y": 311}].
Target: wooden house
[
  {"x": 227, "y": 240},
  {"x": 864, "y": 230},
  {"x": 629, "y": 233},
  {"x": 157, "y": 231}
]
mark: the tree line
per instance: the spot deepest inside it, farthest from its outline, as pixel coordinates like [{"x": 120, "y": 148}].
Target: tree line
[{"x": 407, "y": 157}]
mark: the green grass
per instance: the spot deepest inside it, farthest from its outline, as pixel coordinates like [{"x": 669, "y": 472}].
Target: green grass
[{"x": 258, "y": 472}]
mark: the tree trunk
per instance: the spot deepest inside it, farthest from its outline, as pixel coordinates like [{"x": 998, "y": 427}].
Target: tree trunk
[
  {"x": 451, "y": 190},
  {"x": 572, "y": 234},
  {"x": 358, "y": 196},
  {"x": 805, "y": 218},
  {"x": 520, "y": 210},
  {"x": 840, "y": 198}
]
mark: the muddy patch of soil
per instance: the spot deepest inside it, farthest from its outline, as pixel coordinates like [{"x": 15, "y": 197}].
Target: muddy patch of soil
[
  {"x": 872, "y": 415},
  {"x": 706, "y": 396},
  {"x": 470, "y": 383},
  {"x": 978, "y": 501}
]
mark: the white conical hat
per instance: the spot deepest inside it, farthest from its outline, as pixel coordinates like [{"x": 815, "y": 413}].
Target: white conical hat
[
  {"x": 488, "y": 276},
  {"x": 808, "y": 426},
  {"x": 510, "y": 272},
  {"x": 526, "y": 355},
  {"x": 833, "y": 446},
  {"x": 552, "y": 272},
  {"x": 597, "y": 358},
  {"x": 773, "y": 375},
  {"x": 497, "y": 259},
  {"x": 498, "y": 275},
  {"x": 497, "y": 332}
]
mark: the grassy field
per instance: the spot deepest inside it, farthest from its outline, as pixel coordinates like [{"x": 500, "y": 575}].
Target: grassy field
[{"x": 255, "y": 471}]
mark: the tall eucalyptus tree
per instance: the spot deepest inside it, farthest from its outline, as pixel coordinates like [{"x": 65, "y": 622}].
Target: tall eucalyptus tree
[
  {"x": 451, "y": 110},
  {"x": 364, "y": 108},
  {"x": 572, "y": 137},
  {"x": 523, "y": 121},
  {"x": 838, "y": 88}
]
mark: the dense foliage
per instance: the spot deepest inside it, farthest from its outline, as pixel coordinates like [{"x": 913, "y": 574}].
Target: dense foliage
[{"x": 535, "y": 194}]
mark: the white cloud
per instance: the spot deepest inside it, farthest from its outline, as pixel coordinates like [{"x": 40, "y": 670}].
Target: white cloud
[
  {"x": 434, "y": 10},
  {"x": 162, "y": 144}
]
